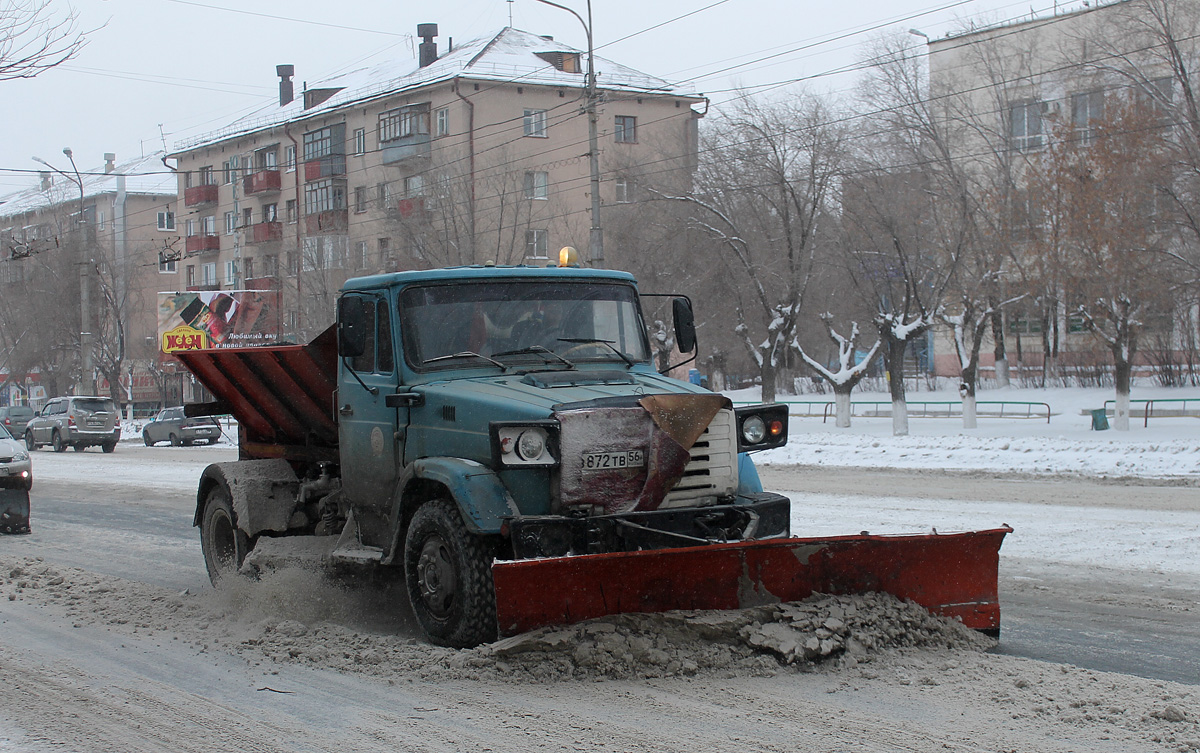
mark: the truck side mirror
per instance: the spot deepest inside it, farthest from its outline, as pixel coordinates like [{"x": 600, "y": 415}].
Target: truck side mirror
[
  {"x": 685, "y": 324},
  {"x": 352, "y": 334}
]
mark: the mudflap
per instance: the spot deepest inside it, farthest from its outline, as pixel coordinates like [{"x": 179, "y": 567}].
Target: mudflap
[
  {"x": 954, "y": 575},
  {"x": 14, "y": 511}
]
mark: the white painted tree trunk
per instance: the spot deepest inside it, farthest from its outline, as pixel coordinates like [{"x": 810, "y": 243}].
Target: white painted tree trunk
[
  {"x": 969, "y": 416},
  {"x": 899, "y": 418},
  {"x": 1121, "y": 416},
  {"x": 843, "y": 410},
  {"x": 1002, "y": 373}
]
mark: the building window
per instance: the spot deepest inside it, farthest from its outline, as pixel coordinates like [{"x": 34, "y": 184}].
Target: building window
[
  {"x": 231, "y": 168},
  {"x": 289, "y": 210},
  {"x": 208, "y": 273},
  {"x": 324, "y": 196},
  {"x": 360, "y": 255},
  {"x": 537, "y": 185},
  {"x": 289, "y": 157},
  {"x": 270, "y": 213},
  {"x": 231, "y": 223},
  {"x": 360, "y": 199},
  {"x": 537, "y": 244},
  {"x": 1025, "y": 126},
  {"x": 265, "y": 159},
  {"x": 623, "y": 189},
  {"x": 383, "y": 195},
  {"x": 191, "y": 228},
  {"x": 293, "y": 264},
  {"x": 293, "y": 320},
  {"x": 166, "y": 220},
  {"x": 360, "y": 141},
  {"x": 385, "y": 250},
  {"x": 249, "y": 264},
  {"x": 208, "y": 225},
  {"x": 190, "y": 276},
  {"x": 247, "y": 216},
  {"x": 535, "y": 123},
  {"x": 414, "y": 186},
  {"x": 271, "y": 265},
  {"x": 165, "y": 266},
  {"x": 1087, "y": 109},
  {"x": 443, "y": 121},
  {"x": 328, "y": 252},
  {"x": 626, "y": 129},
  {"x": 231, "y": 272},
  {"x": 206, "y": 176},
  {"x": 412, "y": 120}
]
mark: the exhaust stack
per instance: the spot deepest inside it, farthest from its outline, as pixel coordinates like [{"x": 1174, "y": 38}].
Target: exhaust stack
[{"x": 428, "y": 48}]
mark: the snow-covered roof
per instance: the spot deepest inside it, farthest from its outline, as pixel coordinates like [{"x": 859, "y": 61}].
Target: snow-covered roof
[
  {"x": 143, "y": 176},
  {"x": 511, "y": 56}
]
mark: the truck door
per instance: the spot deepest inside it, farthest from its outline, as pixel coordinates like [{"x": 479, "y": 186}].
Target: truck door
[{"x": 367, "y": 428}]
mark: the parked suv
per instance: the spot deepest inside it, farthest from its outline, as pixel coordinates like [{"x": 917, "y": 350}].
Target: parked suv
[
  {"x": 171, "y": 425},
  {"x": 75, "y": 421},
  {"x": 14, "y": 418}
]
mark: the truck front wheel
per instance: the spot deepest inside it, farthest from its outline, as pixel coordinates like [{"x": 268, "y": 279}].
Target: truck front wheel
[
  {"x": 223, "y": 543},
  {"x": 449, "y": 577}
]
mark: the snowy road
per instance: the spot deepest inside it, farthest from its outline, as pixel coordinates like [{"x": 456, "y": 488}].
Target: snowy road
[{"x": 92, "y": 663}]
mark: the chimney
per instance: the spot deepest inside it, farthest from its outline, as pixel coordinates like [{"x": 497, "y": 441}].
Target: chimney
[
  {"x": 286, "y": 91},
  {"x": 47, "y": 179},
  {"x": 110, "y": 162},
  {"x": 428, "y": 47}
]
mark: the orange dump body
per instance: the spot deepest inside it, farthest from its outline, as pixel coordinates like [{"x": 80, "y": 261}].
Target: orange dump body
[{"x": 954, "y": 575}]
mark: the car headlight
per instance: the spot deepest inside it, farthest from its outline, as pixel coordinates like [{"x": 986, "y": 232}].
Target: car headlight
[
  {"x": 761, "y": 427},
  {"x": 21, "y": 456},
  {"x": 529, "y": 444}
]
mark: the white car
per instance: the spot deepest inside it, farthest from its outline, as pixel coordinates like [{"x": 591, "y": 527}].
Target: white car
[{"x": 16, "y": 469}]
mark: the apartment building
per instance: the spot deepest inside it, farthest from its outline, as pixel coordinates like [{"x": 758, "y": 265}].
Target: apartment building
[
  {"x": 87, "y": 252},
  {"x": 1009, "y": 97},
  {"x": 476, "y": 154}
]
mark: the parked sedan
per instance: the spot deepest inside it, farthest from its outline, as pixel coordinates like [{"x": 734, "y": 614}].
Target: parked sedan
[
  {"x": 15, "y": 418},
  {"x": 170, "y": 425},
  {"x": 16, "y": 469}
]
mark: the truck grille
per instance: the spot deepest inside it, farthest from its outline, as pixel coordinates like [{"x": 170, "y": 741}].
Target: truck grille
[{"x": 712, "y": 471}]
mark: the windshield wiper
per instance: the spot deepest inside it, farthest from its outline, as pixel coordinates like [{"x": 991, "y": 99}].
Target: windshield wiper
[
  {"x": 538, "y": 349},
  {"x": 464, "y": 354},
  {"x": 609, "y": 343}
]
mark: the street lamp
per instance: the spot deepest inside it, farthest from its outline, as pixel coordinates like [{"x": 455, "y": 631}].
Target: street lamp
[
  {"x": 85, "y": 309},
  {"x": 596, "y": 240}
]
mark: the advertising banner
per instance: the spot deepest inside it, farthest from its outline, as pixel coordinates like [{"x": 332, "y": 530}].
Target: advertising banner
[{"x": 206, "y": 319}]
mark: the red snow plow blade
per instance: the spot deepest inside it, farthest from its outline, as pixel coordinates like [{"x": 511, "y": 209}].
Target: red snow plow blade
[{"x": 954, "y": 575}]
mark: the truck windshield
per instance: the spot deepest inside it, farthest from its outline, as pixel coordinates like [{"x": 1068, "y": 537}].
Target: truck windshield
[{"x": 517, "y": 322}]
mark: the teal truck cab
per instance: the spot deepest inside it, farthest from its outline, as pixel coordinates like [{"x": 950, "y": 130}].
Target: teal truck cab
[{"x": 453, "y": 419}]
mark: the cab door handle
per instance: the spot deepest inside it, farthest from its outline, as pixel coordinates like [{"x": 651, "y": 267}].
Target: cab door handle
[{"x": 346, "y": 410}]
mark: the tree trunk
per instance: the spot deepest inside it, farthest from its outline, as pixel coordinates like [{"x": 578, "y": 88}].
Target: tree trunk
[
  {"x": 1122, "y": 374},
  {"x": 894, "y": 363},
  {"x": 967, "y": 390},
  {"x": 999, "y": 350},
  {"x": 767, "y": 375},
  {"x": 841, "y": 395}
]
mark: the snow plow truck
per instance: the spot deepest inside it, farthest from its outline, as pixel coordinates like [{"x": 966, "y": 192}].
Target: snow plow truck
[{"x": 501, "y": 436}]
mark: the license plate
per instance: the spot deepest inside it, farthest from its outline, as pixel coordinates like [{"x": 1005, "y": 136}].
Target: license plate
[
  {"x": 3, "y": 471},
  {"x": 603, "y": 461}
]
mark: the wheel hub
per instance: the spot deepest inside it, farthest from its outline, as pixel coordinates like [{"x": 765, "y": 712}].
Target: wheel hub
[{"x": 435, "y": 577}]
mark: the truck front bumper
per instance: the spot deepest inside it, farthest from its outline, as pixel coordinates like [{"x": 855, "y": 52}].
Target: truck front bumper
[{"x": 755, "y": 516}]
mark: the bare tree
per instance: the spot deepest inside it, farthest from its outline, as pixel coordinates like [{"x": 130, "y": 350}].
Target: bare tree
[
  {"x": 33, "y": 39},
  {"x": 850, "y": 371}
]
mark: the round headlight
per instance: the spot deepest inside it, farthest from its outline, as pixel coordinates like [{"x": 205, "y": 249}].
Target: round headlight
[
  {"x": 530, "y": 445},
  {"x": 754, "y": 430}
]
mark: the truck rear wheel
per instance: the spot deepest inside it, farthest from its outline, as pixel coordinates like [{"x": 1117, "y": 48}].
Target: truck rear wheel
[
  {"x": 449, "y": 577},
  {"x": 225, "y": 545}
]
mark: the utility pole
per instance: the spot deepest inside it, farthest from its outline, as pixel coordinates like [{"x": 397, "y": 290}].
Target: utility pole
[
  {"x": 596, "y": 238},
  {"x": 87, "y": 383}
]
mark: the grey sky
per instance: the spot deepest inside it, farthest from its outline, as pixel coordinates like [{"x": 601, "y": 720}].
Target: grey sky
[{"x": 194, "y": 65}]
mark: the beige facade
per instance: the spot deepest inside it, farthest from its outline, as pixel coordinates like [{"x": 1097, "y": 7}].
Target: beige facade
[
  {"x": 478, "y": 156},
  {"x": 52, "y": 259}
]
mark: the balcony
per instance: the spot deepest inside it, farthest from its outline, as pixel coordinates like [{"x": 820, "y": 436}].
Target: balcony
[
  {"x": 265, "y": 232},
  {"x": 263, "y": 181},
  {"x": 405, "y": 149},
  {"x": 325, "y": 167},
  {"x": 203, "y": 287},
  {"x": 199, "y": 244},
  {"x": 197, "y": 195},
  {"x": 262, "y": 283},
  {"x": 330, "y": 221},
  {"x": 410, "y": 209}
]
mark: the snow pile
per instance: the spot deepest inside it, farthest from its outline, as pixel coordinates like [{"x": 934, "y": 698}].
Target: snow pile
[{"x": 297, "y": 616}]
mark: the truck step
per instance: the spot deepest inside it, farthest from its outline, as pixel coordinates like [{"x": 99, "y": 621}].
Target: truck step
[{"x": 354, "y": 553}]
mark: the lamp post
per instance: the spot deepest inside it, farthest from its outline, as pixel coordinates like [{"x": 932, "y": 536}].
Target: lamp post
[
  {"x": 596, "y": 239},
  {"x": 87, "y": 384}
]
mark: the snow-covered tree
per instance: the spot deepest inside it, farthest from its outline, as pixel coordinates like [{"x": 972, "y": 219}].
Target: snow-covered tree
[{"x": 850, "y": 370}]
